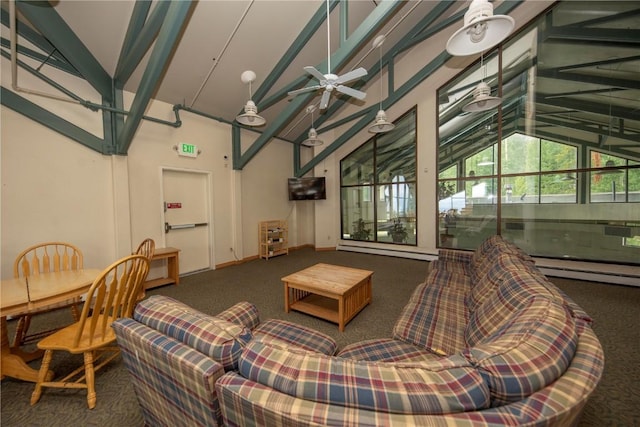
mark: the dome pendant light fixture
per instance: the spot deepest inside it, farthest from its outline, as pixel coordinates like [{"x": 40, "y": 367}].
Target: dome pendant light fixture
[
  {"x": 482, "y": 30},
  {"x": 250, "y": 116},
  {"x": 381, "y": 125},
  {"x": 482, "y": 99},
  {"x": 312, "y": 139}
]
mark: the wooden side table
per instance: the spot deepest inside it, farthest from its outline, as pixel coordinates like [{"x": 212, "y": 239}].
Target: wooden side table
[{"x": 173, "y": 263}]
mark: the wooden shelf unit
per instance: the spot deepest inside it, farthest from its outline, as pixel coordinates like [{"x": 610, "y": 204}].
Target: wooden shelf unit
[
  {"x": 173, "y": 263},
  {"x": 273, "y": 238}
]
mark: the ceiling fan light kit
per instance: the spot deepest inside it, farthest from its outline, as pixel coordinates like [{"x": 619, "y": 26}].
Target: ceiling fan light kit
[
  {"x": 482, "y": 30},
  {"x": 250, "y": 116},
  {"x": 331, "y": 81}
]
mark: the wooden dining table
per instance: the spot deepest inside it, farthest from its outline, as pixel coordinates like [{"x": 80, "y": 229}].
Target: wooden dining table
[{"x": 16, "y": 298}]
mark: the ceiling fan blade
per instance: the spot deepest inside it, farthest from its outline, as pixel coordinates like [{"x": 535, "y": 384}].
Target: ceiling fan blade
[
  {"x": 351, "y": 75},
  {"x": 324, "y": 102},
  {"x": 351, "y": 92},
  {"x": 315, "y": 73},
  {"x": 304, "y": 89}
]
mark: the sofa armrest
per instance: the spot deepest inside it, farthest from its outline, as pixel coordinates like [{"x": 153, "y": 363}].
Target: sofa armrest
[
  {"x": 243, "y": 313},
  {"x": 216, "y": 338},
  {"x": 174, "y": 384}
]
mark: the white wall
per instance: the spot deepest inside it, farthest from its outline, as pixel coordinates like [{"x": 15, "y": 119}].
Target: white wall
[
  {"x": 56, "y": 189},
  {"x": 53, "y": 189}
]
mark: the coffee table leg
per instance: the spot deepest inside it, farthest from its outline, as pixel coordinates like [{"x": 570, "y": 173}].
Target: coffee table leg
[
  {"x": 286, "y": 297},
  {"x": 341, "y": 314}
]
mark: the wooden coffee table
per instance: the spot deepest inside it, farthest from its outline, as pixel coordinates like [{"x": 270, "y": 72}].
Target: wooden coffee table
[{"x": 330, "y": 292}]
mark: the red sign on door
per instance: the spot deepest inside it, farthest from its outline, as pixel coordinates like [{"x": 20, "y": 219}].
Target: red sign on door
[{"x": 174, "y": 205}]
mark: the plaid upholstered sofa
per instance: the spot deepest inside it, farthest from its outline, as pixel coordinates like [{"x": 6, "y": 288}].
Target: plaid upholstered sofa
[
  {"x": 485, "y": 340},
  {"x": 175, "y": 354}
]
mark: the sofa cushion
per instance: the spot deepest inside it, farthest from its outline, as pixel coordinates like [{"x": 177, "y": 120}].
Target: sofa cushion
[
  {"x": 510, "y": 293},
  {"x": 488, "y": 276},
  {"x": 288, "y": 333},
  {"x": 217, "y": 338},
  {"x": 528, "y": 349},
  {"x": 434, "y": 318},
  {"x": 387, "y": 350},
  {"x": 444, "y": 386}
]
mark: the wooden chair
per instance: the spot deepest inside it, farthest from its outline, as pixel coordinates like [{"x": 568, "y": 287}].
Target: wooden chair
[
  {"x": 147, "y": 248},
  {"x": 44, "y": 258},
  {"x": 112, "y": 295}
]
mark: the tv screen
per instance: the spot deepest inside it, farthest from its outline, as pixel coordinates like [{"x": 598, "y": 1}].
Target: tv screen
[{"x": 307, "y": 188}]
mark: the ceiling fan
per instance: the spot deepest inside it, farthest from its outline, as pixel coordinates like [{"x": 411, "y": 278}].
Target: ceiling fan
[{"x": 330, "y": 81}]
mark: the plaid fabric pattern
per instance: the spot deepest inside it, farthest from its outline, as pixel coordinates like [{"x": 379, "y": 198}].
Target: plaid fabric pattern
[
  {"x": 243, "y": 313},
  {"x": 174, "y": 384},
  {"x": 531, "y": 348},
  {"x": 219, "y": 339},
  {"x": 443, "y": 386},
  {"x": 452, "y": 260},
  {"x": 435, "y": 322},
  {"x": 387, "y": 350},
  {"x": 489, "y": 275},
  {"x": 287, "y": 333},
  {"x": 448, "y": 279}
]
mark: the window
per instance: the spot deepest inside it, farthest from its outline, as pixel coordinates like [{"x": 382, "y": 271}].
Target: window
[
  {"x": 378, "y": 187},
  {"x": 555, "y": 168}
]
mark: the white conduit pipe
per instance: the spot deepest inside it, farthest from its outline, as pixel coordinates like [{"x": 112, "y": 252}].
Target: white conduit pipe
[
  {"x": 217, "y": 60},
  {"x": 14, "y": 60}
]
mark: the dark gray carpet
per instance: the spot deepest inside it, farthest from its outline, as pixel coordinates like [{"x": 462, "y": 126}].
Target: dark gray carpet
[{"x": 616, "y": 310}]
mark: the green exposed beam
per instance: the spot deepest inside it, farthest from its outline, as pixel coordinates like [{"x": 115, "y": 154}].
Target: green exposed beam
[
  {"x": 136, "y": 24},
  {"x": 296, "y": 47},
  {"x": 361, "y": 35},
  {"x": 50, "y": 60},
  {"x": 138, "y": 40},
  {"x": 44, "y": 78},
  {"x": 43, "y": 16},
  {"x": 27, "y": 33},
  {"x": 38, "y": 114},
  {"x": 167, "y": 38},
  {"x": 603, "y": 36}
]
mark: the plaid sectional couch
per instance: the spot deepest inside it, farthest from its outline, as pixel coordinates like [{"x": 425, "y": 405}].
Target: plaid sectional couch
[{"x": 485, "y": 340}]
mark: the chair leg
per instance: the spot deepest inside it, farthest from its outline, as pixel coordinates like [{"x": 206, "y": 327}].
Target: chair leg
[
  {"x": 42, "y": 376},
  {"x": 90, "y": 379}
]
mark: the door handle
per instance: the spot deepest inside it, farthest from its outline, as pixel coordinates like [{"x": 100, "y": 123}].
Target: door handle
[{"x": 168, "y": 227}]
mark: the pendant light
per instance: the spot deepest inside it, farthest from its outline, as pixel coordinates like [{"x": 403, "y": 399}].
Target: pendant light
[
  {"x": 250, "y": 116},
  {"x": 482, "y": 99},
  {"x": 381, "y": 124},
  {"x": 481, "y": 31},
  {"x": 312, "y": 139}
]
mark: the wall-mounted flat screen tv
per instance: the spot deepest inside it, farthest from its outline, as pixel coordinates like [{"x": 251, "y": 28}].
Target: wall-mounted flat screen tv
[{"x": 309, "y": 188}]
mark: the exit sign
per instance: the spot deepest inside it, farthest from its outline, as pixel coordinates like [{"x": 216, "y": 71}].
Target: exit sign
[{"x": 188, "y": 150}]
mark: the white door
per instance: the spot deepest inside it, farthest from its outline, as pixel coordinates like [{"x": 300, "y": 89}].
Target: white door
[{"x": 187, "y": 217}]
